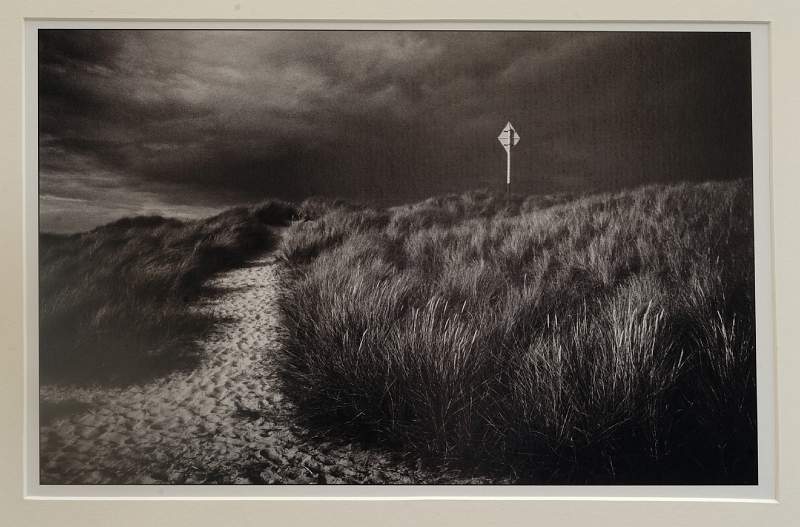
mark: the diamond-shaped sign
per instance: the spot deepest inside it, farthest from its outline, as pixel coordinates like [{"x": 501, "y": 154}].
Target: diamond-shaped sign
[{"x": 508, "y": 136}]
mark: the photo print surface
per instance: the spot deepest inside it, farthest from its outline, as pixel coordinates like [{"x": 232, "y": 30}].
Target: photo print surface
[{"x": 391, "y": 257}]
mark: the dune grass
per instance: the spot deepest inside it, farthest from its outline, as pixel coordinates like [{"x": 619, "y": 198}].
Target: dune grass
[
  {"x": 564, "y": 339},
  {"x": 113, "y": 301}
]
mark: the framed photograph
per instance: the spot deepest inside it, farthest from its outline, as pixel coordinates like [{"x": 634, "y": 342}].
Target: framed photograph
[{"x": 416, "y": 259}]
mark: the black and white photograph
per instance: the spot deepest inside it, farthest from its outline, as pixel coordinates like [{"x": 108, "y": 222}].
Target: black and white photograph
[{"x": 396, "y": 257}]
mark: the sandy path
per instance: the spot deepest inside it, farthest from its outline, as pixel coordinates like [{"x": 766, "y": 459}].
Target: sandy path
[{"x": 224, "y": 422}]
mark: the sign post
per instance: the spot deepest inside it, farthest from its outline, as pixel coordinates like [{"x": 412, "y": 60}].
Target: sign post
[{"x": 508, "y": 138}]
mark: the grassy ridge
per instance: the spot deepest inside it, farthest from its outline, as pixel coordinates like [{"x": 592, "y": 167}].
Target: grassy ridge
[
  {"x": 113, "y": 300},
  {"x": 600, "y": 339}
]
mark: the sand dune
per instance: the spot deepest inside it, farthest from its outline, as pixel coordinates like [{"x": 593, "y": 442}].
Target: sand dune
[{"x": 224, "y": 422}]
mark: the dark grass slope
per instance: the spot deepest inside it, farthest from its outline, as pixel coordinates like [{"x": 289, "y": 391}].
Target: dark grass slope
[
  {"x": 113, "y": 301},
  {"x": 596, "y": 339}
]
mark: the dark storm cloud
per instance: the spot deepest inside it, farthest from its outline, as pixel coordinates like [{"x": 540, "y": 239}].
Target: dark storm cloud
[{"x": 183, "y": 121}]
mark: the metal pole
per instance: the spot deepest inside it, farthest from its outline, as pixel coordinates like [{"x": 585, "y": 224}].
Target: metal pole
[
  {"x": 508, "y": 174},
  {"x": 508, "y": 165}
]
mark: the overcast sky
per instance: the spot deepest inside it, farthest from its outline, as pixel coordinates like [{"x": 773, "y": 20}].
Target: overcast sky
[{"x": 184, "y": 123}]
